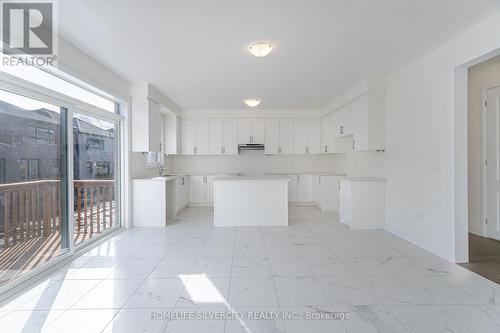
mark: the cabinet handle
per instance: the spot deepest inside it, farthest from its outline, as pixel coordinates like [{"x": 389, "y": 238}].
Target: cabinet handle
[
  {"x": 298, "y": 179},
  {"x": 222, "y": 150},
  {"x": 182, "y": 181},
  {"x": 353, "y": 145},
  {"x": 194, "y": 150},
  {"x": 307, "y": 150},
  {"x": 326, "y": 149},
  {"x": 341, "y": 130}
]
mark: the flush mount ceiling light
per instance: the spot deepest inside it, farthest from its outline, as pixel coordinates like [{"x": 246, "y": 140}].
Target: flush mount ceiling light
[
  {"x": 252, "y": 102},
  {"x": 260, "y": 49}
]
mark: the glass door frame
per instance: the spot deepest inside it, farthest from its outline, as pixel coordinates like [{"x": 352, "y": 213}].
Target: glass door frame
[
  {"x": 25, "y": 88},
  {"x": 116, "y": 119}
]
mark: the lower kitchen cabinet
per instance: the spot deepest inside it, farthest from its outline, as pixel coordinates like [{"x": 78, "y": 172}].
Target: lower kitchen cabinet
[
  {"x": 314, "y": 189},
  {"x": 181, "y": 192},
  {"x": 326, "y": 192},
  {"x": 201, "y": 190},
  {"x": 362, "y": 203}
]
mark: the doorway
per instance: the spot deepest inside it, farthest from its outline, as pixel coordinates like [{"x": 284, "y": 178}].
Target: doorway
[{"x": 484, "y": 169}]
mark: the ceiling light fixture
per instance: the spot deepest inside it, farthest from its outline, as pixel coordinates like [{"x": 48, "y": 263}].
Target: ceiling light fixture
[
  {"x": 260, "y": 49},
  {"x": 252, "y": 102}
]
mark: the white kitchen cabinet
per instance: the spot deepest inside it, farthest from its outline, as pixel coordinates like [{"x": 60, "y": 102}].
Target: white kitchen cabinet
[
  {"x": 329, "y": 193},
  {"x": 197, "y": 189},
  {"x": 306, "y": 136},
  {"x": 305, "y": 188},
  {"x": 292, "y": 188},
  {"x": 172, "y": 135},
  {"x": 362, "y": 203},
  {"x": 194, "y": 137},
  {"x": 230, "y": 137},
  {"x": 154, "y": 202},
  {"x": 272, "y": 134},
  {"x": 209, "y": 188},
  {"x": 223, "y": 137},
  {"x": 326, "y": 131},
  {"x": 181, "y": 192},
  {"x": 286, "y": 136},
  {"x": 369, "y": 118},
  {"x": 201, "y": 189},
  {"x": 215, "y": 136},
  {"x": 316, "y": 189},
  {"x": 279, "y": 137},
  {"x": 313, "y": 131},
  {"x": 344, "y": 124},
  {"x": 188, "y": 137},
  {"x": 251, "y": 131},
  {"x": 147, "y": 123}
]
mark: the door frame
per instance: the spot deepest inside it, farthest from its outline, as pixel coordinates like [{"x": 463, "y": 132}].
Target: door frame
[
  {"x": 459, "y": 178},
  {"x": 484, "y": 168}
]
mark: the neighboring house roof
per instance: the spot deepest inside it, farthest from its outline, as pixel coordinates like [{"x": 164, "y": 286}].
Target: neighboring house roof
[
  {"x": 43, "y": 115},
  {"x": 49, "y": 116},
  {"x": 88, "y": 128}
]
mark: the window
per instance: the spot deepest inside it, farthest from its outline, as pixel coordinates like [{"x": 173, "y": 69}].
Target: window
[
  {"x": 40, "y": 135},
  {"x": 29, "y": 169},
  {"x": 34, "y": 227},
  {"x": 154, "y": 160},
  {"x": 57, "y": 84},
  {"x": 95, "y": 144},
  {"x": 96, "y": 173}
]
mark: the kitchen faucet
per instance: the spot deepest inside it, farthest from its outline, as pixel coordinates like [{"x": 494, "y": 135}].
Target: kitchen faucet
[{"x": 162, "y": 171}]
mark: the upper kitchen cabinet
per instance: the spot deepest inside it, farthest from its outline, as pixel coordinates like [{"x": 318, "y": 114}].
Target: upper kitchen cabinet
[
  {"x": 330, "y": 143},
  {"x": 223, "y": 137},
  {"x": 172, "y": 134},
  {"x": 279, "y": 137},
  {"x": 306, "y": 136},
  {"x": 194, "y": 137},
  {"x": 368, "y": 114},
  {"x": 251, "y": 131},
  {"x": 146, "y": 129}
]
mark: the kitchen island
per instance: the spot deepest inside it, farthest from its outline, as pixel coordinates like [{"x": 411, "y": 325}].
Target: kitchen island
[{"x": 251, "y": 201}]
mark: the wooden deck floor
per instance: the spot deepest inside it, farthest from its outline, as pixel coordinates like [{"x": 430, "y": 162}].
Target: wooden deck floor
[{"x": 21, "y": 258}]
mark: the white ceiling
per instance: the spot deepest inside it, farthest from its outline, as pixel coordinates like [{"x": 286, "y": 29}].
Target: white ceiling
[{"x": 195, "y": 51}]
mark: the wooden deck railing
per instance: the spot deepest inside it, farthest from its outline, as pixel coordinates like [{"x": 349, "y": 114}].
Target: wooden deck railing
[
  {"x": 32, "y": 209},
  {"x": 95, "y": 207}
]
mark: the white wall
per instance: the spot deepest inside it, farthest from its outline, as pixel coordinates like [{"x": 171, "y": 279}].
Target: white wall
[
  {"x": 420, "y": 155},
  {"x": 482, "y": 76}
]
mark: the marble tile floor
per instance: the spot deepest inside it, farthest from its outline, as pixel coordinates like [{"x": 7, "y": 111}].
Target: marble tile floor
[{"x": 313, "y": 276}]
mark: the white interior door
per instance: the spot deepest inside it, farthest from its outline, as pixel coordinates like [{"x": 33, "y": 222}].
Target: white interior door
[{"x": 493, "y": 159}]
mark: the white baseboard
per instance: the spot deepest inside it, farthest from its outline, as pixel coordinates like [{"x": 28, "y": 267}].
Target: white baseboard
[{"x": 418, "y": 242}]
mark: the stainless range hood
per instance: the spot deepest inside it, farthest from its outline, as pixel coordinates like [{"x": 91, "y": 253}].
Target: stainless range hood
[{"x": 251, "y": 146}]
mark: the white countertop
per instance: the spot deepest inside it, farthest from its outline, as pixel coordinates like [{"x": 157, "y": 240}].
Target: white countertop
[
  {"x": 252, "y": 178},
  {"x": 314, "y": 173},
  {"x": 177, "y": 175}
]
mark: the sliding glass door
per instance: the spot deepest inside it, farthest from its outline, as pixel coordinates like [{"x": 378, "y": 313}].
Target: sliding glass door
[
  {"x": 33, "y": 184},
  {"x": 96, "y": 176}
]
